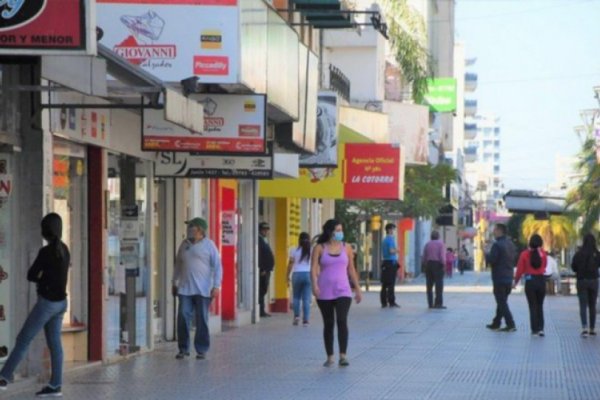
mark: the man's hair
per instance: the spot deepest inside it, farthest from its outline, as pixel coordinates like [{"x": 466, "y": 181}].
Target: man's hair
[
  {"x": 389, "y": 226},
  {"x": 502, "y": 228},
  {"x": 435, "y": 235}
]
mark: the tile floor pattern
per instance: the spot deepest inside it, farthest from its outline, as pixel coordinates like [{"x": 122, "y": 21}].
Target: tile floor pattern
[{"x": 407, "y": 353}]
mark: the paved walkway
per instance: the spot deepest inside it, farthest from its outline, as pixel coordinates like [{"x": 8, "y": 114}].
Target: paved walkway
[{"x": 407, "y": 353}]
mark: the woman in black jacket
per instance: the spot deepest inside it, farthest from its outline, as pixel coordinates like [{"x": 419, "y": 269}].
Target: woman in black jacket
[
  {"x": 49, "y": 271},
  {"x": 585, "y": 264}
]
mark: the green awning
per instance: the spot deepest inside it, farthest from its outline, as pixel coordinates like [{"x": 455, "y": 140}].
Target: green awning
[
  {"x": 317, "y": 4},
  {"x": 324, "y": 14}
]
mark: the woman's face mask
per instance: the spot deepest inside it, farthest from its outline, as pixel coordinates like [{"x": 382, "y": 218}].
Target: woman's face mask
[{"x": 338, "y": 235}]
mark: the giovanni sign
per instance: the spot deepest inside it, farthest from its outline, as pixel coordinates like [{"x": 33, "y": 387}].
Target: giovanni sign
[
  {"x": 175, "y": 39},
  {"x": 36, "y": 27},
  {"x": 233, "y": 124}
]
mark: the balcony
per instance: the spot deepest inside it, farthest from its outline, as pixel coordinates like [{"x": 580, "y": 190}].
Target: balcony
[
  {"x": 470, "y": 82},
  {"x": 470, "y": 108},
  {"x": 470, "y": 131},
  {"x": 339, "y": 83},
  {"x": 470, "y": 154}
]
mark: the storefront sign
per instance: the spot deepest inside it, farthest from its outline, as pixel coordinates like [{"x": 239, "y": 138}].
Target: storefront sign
[
  {"x": 369, "y": 171},
  {"x": 6, "y": 250},
  {"x": 327, "y": 133},
  {"x": 374, "y": 170},
  {"x": 441, "y": 94},
  {"x": 84, "y": 125},
  {"x": 185, "y": 165},
  {"x": 175, "y": 39},
  {"x": 229, "y": 228},
  {"x": 5, "y": 185},
  {"x": 44, "y": 27},
  {"x": 233, "y": 124}
]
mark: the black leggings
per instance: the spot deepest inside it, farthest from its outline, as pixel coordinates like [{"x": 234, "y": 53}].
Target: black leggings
[{"x": 332, "y": 311}]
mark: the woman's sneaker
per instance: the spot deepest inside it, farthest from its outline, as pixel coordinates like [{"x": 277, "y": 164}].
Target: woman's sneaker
[
  {"x": 49, "y": 392},
  {"x": 584, "y": 333},
  {"x": 592, "y": 332},
  {"x": 305, "y": 323},
  {"x": 3, "y": 384},
  {"x": 296, "y": 321}
]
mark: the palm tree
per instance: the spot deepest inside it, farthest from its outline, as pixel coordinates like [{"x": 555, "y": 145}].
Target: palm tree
[
  {"x": 584, "y": 199},
  {"x": 558, "y": 232}
]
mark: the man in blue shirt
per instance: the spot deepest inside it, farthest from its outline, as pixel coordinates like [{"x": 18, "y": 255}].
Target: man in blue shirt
[
  {"x": 389, "y": 267},
  {"x": 196, "y": 281}
]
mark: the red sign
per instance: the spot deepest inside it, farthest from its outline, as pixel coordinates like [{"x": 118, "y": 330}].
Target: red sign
[
  {"x": 372, "y": 171},
  {"x": 200, "y": 144},
  {"x": 42, "y": 25},
  {"x": 211, "y": 65}
]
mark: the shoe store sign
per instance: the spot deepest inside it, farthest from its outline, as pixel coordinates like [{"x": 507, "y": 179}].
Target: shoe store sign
[
  {"x": 190, "y": 165},
  {"x": 46, "y": 27},
  {"x": 175, "y": 39},
  {"x": 233, "y": 124}
]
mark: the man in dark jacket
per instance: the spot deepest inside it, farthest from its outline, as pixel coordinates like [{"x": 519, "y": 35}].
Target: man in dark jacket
[
  {"x": 266, "y": 263},
  {"x": 502, "y": 260}
]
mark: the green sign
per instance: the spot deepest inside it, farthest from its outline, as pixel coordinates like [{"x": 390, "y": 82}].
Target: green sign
[{"x": 441, "y": 94}]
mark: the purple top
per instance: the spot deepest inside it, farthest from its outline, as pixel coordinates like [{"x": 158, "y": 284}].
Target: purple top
[
  {"x": 333, "y": 279},
  {"x": 435, "y": 250}
]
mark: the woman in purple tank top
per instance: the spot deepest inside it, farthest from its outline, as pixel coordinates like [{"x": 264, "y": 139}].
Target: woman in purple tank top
[{"x": 332, "y": 263}]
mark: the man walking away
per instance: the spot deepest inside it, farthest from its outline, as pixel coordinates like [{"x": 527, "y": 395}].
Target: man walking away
[
  {"x": 434, "y": 261},
  {"x": 266, "y": 263},
  {"x": 502, "y": 260},
  {"x": 196, "y": 281},
  {"x": 389, "y": 268}
]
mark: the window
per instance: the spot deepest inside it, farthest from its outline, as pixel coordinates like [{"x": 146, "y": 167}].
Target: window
[
  {"x": 496, "y": 169},
  {"x": 70, "y": 202}
]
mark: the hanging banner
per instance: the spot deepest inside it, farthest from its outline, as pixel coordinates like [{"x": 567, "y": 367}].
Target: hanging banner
[
  {"x": 190, "y": 165},
  {"x": 175, "y": 39},
  {"x": 327, "y": 133},
  {"x": 233, "y": 124},
  {"x": 36, "y": 27},
  {"x": 6, "y": 187},
  {"x": 441, "y": 94},
  {"x": 229, "y": 228}
]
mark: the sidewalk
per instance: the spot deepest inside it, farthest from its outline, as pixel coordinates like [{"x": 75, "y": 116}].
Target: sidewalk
[{"x": 407, "y": 353}]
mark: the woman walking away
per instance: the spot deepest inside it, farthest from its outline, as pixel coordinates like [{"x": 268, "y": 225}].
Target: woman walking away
[
  {"x": 585, "y": 264},
  {"x": 331, "y": 266},
  {"x": 532, "y": 265},
  {"x": 49, "y": 271},
  {"x": 299, "y": 267},
  {"x": 450, "y": 260}
]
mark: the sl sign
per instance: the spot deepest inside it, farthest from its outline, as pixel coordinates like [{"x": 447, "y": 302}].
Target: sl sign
[{"x": 193, "y": 165}]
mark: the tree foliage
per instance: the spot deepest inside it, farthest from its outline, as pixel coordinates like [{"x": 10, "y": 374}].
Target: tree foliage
[
  {"x": 558, "y": 232},
  {"x": 584, "y": 199},
  {"x": 408, "y": 37}
]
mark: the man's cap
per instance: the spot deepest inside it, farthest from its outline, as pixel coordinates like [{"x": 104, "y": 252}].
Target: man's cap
[
  {"x": 390, "y": 226},
  {"x": 263, "y": 225},
  {"x": 199, "y": 222}
]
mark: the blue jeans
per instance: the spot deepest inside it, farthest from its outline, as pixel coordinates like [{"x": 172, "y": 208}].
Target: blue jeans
[
  {"x": 188, "y": 306},
  {"x": 48, "y": 315},
  {"x": 302, "y": 292}
]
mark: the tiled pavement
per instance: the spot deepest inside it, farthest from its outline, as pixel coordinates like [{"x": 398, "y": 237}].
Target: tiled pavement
[{"x": 407, "y": 353}]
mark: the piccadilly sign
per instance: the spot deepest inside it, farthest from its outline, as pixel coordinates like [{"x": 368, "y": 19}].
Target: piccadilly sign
[
  {"x": 190, "y": 165},
  {"x": 37, "y": 27}
]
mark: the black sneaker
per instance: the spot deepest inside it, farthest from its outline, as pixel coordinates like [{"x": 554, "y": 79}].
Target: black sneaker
[
  {"x": 181, "y": 355},
  {"x": 541, "y": 333},
  {"x": 493, "y": 327},
  {"x": 49, "y": 392},
  {"x": 395, "y": 305},
  {"x": 3, "y": 384},
  {"x": 508, "y": 329},
  {"x": 200, "y": 356},
  {"x": 592, "y": 333},
  {"x": 584, "y": 333}
]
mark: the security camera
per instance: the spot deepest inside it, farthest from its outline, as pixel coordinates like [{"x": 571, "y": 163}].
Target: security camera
[{"x": 189, "y": 85}]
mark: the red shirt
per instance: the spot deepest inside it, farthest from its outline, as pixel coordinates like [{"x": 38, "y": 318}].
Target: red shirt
[{"x": 524, "y": 266}]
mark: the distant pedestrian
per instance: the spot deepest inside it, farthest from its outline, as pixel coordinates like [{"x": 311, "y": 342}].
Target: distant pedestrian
[
  {"x": 196, "y": 281},
  {"x": 585, "y": 264},
  {"x": 450, "y": 260},
  {"x": 532, "y": 265},
  {"x": 266, "y": 264},
  {"x": 331, "y": 266},
  {"x": 501, "y": 258},
  {"x": 463, "y": 259},
  {"x": 299, "y": 268},
  {"x": 434, "y": 262},
  {"x": 552, "y": 274},
  {"x": 389, "y": 268},
  {"x": 50, "y": 272}
]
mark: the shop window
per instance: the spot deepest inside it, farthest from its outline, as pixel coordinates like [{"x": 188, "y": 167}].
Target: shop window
[{"x": 70, "y": 202}]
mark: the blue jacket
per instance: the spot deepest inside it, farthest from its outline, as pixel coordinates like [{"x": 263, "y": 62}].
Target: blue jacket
[{"x": 502, "y": 259}]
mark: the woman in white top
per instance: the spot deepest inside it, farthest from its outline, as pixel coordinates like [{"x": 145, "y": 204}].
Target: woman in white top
[{"x": 300, "y": 266}]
